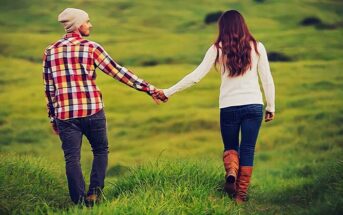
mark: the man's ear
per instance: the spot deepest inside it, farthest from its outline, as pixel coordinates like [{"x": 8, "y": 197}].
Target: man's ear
[{"x": 81, "y": 26}]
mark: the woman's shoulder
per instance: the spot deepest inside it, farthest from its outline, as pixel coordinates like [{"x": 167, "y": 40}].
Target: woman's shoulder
[
  {"x": 213, "y": 47},
  {"x": 213, "y": 50},
  {"x": 260, "y": 46}
]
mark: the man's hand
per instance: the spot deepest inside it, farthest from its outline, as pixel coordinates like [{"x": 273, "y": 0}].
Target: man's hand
[
  {"x": 269, "y": 116},
  {"x": 159, "y": 96},
  {"x": 54, "y": 127}
]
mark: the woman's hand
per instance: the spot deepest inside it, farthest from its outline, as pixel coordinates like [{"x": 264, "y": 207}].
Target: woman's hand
[
  {"x": 269, "y": 116},
  {"x": 159, "y": 96}
]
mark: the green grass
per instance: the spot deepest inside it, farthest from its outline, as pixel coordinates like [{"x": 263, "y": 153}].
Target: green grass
[
  {"x": 174, "y": 187},
  {"x": 167, "y": 159},
  {"x": 28, "y": 183}
]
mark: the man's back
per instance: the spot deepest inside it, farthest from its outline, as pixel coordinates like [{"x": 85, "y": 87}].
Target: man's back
[
  {"x": 72, "y": 76},
  {"x": 69, "y": 77}
]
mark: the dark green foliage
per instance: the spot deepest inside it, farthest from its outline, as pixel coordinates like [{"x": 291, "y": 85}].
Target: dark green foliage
[
  {"x": 278, "y": 56},
  {"x": 212, "y": 17},
  {"x": 311, "y": 21}
]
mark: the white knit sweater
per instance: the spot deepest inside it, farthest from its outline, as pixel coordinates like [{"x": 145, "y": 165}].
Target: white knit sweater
[{"x": 239, "y": 90}]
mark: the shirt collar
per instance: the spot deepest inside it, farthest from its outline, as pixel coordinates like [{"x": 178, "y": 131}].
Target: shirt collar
[{"x": 75, "y": 35}]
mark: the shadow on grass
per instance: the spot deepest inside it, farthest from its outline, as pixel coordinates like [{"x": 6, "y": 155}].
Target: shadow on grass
[{"x": 320, "y": 195}]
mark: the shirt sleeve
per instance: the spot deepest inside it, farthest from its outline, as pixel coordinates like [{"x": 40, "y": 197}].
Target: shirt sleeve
[
  {"x": 266, "y": 78},
  {"x": 195, "y": 76},
  {"x": 49, "y": 86},
  {"x": 105, "y": 63}
]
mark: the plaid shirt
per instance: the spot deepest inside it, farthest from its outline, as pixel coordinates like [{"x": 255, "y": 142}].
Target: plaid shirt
[{"x": 69, "y": 77}]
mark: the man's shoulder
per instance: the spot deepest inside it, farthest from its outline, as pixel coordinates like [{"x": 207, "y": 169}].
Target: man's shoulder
[
  {"x": 90, "y": 43},
  {"x": 49, "y": 47},
  {"x": 53, "y": 45},
  {"x": 81, "y": 42}
]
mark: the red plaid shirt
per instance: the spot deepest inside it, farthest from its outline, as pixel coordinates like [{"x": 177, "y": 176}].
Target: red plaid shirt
[{"x": 69, "y": 77}]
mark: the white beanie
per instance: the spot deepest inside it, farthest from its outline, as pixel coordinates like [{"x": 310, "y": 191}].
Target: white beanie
[{"x": 72, "y": 19}]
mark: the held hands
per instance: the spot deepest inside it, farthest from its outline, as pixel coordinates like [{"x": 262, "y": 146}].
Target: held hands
[
  {"x": 158, "y": 96},
  {"x": 269, "y": 116}
]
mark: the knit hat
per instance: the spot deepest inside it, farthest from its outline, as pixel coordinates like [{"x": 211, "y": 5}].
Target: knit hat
[{"x": 72, "y": 19}]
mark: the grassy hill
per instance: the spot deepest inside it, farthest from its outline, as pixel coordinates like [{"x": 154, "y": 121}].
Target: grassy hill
[{"x": 167, "y": 159}]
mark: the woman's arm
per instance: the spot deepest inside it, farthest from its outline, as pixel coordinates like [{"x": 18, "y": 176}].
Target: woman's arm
[
  {"x": 195, "y": 76},
  {"x": 266, "y": 78}
]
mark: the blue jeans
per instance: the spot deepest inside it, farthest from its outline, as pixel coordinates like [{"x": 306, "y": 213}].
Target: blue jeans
[
  {"x": 71, "y": 132},
  {"x": 244, "y": 119}
]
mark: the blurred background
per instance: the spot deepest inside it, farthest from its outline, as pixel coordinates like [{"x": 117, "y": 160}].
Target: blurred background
[{"x": 156, "y": 150}]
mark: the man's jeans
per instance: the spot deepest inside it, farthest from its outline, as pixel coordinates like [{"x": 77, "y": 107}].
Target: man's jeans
[
  {"x": 71, "y": 132},
  {"x": 244, "y": 118}
]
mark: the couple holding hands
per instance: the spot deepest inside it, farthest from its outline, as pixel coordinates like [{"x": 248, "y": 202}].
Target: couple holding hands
[{"x": 75, "y": 106}]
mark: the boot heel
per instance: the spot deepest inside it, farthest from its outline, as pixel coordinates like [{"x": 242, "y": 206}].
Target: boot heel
[{"x": 231, "y": 179}]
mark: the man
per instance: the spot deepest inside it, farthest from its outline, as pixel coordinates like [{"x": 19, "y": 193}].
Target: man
[{"x": 74, "y": 101}]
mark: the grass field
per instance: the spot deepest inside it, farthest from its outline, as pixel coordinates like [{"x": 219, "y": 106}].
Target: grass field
[{"x": 166, "y": 159}]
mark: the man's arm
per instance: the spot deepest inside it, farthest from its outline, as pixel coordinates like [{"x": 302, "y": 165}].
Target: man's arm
[
  {"x": 49, "y": 87},
  {"x": 104, "y": 62}
]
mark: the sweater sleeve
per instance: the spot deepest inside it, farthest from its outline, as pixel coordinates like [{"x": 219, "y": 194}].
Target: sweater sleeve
[
  {"x": 195, "y": 76},
  {"x": 266, "y": 78}
]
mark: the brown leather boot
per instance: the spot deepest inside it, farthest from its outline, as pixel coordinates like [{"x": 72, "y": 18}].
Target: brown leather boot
[
  {"x": 231, "y": 164},
  {"x": 242, "y": 184}
]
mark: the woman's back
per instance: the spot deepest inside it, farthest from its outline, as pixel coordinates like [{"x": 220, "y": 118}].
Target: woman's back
[{"x": 245, "y": 89}]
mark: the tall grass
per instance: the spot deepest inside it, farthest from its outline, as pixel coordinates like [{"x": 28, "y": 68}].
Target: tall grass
[{"x": 174, "y": 187}]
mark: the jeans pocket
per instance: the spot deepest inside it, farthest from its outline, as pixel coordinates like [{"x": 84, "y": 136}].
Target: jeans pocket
[
  {"x": 98, "y": 115},
  {"x": 98, "y": 124},
  {"x": 65, "y": 125},
  {"x": 254, "y": 111}
]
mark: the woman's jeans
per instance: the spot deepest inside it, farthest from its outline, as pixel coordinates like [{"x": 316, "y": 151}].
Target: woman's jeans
[
  {"x": 244, "y": 118},
  {"x": 71, "y": 132}
]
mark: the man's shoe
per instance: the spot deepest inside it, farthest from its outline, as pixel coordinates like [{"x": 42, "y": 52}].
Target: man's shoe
[{"x": 91, "y": 200}]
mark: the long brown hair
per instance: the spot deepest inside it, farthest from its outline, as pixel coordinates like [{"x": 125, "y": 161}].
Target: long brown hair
[{"x": 234, "y": 41}]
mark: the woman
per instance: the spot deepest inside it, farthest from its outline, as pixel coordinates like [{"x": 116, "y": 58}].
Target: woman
[{"x": 241, "y": 60}]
